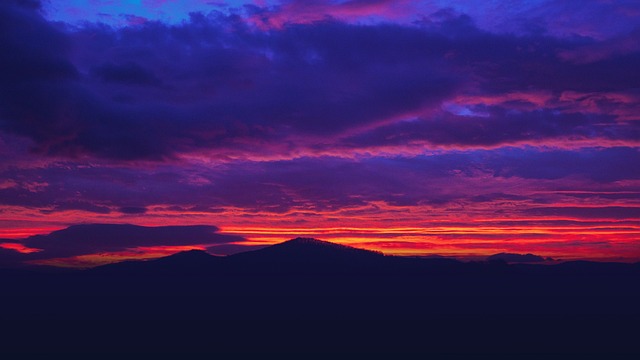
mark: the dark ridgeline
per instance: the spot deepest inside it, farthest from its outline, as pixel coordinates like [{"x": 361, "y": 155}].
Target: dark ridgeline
[{"x": 314, "y": 296}]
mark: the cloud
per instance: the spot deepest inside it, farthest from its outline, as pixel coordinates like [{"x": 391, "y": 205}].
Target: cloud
[
  {"x": 91, "y": 239},
  {"x": 217, "y": 83},
  {"x": 494, "y": 126},
  {"x": 300, "y": 12},
  {"x": 133, "y": 210},
  {"x": 600, "y": 165},
  {"x": 321, "y": 184},
  {"x": 127, "y": 73},
  {"x": 75, "y": 205},
  {"x": 599, "y": 51},
  {"x": 222, "y": 83},
  {"x": 35, "y": 74},
  {"x": 583, "y": 18},
  {"x": 586, "y": 212}
]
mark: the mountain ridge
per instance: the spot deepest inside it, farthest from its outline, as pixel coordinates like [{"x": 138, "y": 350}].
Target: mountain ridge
[
  {"x": 310, "y": 255},
  {"x": 346, "y": 300}
]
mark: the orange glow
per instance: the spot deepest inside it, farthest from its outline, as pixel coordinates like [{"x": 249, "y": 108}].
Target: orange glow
[
  {"x": 470, "y": 232},
  {"x": 138, "y": 253},
  {"x": 19, "y": 248},
  {"x": 472, "y": 241},
  {"x": 20, "y": 233}
]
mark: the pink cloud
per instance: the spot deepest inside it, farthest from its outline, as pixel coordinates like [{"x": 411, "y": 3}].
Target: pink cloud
[{"x": 300, "y": 12}]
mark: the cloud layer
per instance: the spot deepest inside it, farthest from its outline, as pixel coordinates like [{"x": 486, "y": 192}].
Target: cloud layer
[
  {"x": 104, "y": 239},
  {"x": 327, "y": 115},
  {"x": 216, "y": 82}
]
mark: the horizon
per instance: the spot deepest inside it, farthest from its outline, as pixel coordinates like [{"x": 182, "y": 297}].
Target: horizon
[
  {"x": 82, "y": 262},
  {"x": 409, "y": 128}
]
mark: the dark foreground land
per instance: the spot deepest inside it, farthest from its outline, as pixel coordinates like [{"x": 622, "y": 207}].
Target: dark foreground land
[{"x": 310, "y": 296}]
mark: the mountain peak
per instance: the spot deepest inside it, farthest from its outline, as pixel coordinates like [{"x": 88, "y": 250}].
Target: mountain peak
[
  {"x": 306, "y": 240},
  {"x": 187, "y": 258},
  {"x": 517, "y": 258},
  {"x": 303, "y": 250},
  {"x": 191, "y": 254},
  {"x": 303, "y": 244},
  {"x": 190, "y": 261}
]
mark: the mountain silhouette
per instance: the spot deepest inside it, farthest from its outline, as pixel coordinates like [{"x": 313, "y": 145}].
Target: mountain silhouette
[
  {"x": 307, "y": 253},
  {"x": 189, "y": 255},
  {"x": 186, "y": 262},
  {"x": 298, "y": 253},
  {"x": 516, "y": 258},
  {"x": 307, "y": 295},
  {"x": 306, "y": 249}
]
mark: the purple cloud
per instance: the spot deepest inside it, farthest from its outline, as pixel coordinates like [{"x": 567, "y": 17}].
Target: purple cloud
[
  {"x": 494, "y": 126},
  {"x": 104, "y": 238},
  {"x": 133, "y": 210},
  {"x": 322, "y": 184},
  {"x": 600, "y": 165},
  {"x": 155, "y": 91}
]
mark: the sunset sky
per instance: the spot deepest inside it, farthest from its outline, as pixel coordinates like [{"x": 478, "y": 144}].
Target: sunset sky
[{"x": 462, "y": 129}]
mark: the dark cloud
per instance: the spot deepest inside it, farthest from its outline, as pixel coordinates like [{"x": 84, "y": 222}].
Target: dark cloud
[
  {"x": 498, "y": 196},
  {"x": 35, "y": 75},
  {"x": 133, "y": 210},
  {"x": 222, "y": 82},
  {"x": 127, "y": 73},
  {"x": 153, "y": 90},
  {"x": 489, "y": 126},
  {"x": 594, "y": 195},
  {"x": 592, "y": 212},
  {"x": 104, "y": 238},
  {"x": 601, "y": 165},
  {"x": 322, "y": 183},
  {"x": 27, "y": 4},
  {"x": 75, "y": 205}
]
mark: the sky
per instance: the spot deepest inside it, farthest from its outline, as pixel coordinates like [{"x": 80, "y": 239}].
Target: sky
[{"x": 416, "y": 128}]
